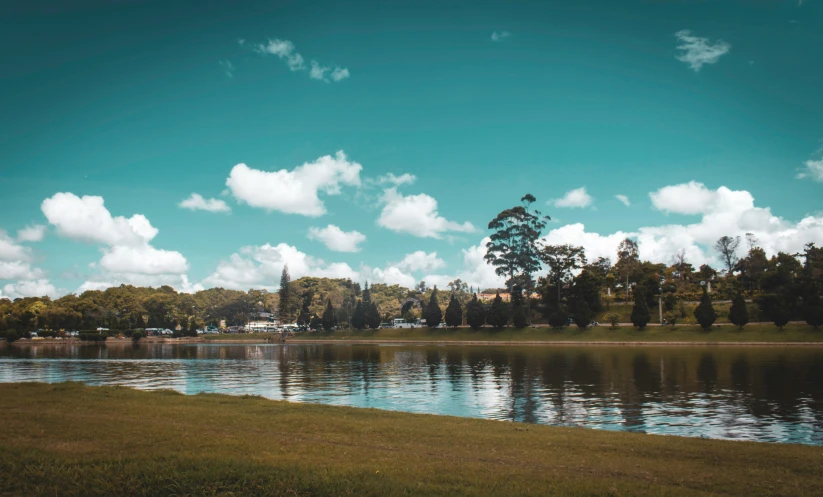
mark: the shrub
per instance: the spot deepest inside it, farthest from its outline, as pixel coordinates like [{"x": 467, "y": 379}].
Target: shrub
[
  {"x": 582, "y": 315},
  {"x": 558, "y": 318},
  {"x": 671, "y": 318},
  {"x": 738, "y": 313},
  {"x": 519, "y": 316},
  {"x": 613, "y": 319},
  {"x": 498, "y": 315},
  {"x": 93, "y": 337},
  {"x": 704, "y": 313},
  {"x": 137, "y": 335},
  {"x": 11, "y": 336}
]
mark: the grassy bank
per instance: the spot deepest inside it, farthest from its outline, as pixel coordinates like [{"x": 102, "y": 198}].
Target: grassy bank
[
  {"x": 69, "y": 439},
  {"x": 692, "y": 334}
]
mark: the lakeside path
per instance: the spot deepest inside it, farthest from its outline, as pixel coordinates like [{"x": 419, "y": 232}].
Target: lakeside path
[{"x": 70, "y": 439}]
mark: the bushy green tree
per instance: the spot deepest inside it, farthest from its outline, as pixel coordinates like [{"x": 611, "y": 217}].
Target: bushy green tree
[
  {"x": 304, "y": 317},
  {"x": 738, "y": 313},
  {"x": 433, "y": 313},
  {"x": 776, "y": 308},
  {"x": 372, "y": 315},
  {"x": 558, "y": 317},
  {"x": 498, "y": 315},
  {"x": 358, "y": 317},
  {"x": 11, "y": 336},
  {"x": 518, "y": 310},
  {"x": 640, "y": 312},
  {"x": 613, "y": 319},
  {"x": 582, "y": 314},
  {"x": 136, "y": 336},
  {"x": 704, "y": 313},
  {"x": 329, "y": 320},
  {"x": 316, "y": 322},
  {"x": 813, "y": 309},
  {"x": 454, "y": 313},
  {"x": 475, "y": 314}
]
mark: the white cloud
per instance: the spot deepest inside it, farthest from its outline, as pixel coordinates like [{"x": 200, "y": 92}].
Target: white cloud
[
  {"x": 697, "y": 51},
  {"x": 196, "y": 202},
  {"x": 94, "y": 285},
  {"x": 87, "y": 219},
  {"x": 417, "y": 215},
  {"x": 19, "y": 270},
  {"x": 296, "y": 191},
  {"x": 11, "y": 251},
  {"x": 499, "y": 35},
  {"x": 576, "y": 198},
  {"x": 340, "y": 73},
  {"x": 724, "y": 212},
  {"x": 31, "y": 233},
  {"x": 284, "y": 49},
  {"x": 623, "y": 199},
  {"x": 391, "y": 179},
  {"x": 688, "y": 198},
  {"x": 336, "y": 239},
  {"x": 143, "y": 259},
  {"x": 228, "y": 68},
  {"x": 390, "y": 275},
  {"x": 421, "y": 261},
  {"x": 318, "y": 72},
  {"x": 261, "y": 266},
  {"x": 127, "y": 255},
  {"x": 814, "y": 170},
  {"x": 31, "y": 288}
]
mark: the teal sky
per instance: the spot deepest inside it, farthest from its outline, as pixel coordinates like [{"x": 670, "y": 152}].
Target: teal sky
[{"x": 143, "y": 103}]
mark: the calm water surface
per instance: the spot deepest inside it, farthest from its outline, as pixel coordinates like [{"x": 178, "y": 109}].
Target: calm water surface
[{"x": 746, "y": 393}]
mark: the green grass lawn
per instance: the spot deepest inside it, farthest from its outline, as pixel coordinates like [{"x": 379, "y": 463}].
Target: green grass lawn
[
  {"x": 751, "y": 333},
  {"x": 69, "y": 439}
]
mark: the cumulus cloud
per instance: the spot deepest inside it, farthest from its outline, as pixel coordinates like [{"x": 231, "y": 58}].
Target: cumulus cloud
[
  {"x": 32, "y": 233},
  {"x": 696, "y": 51},
  {"x": 421, "y": 261},
  {"x": 813, "y": 170},
  {"x": 724, "y": 212},
  {"x": 196, "y": 202},
  {"x": 261, "y": 266},
  {"x": 340, "y": 73},
  {"x": 577, "y": 198},
  {"x": 32, "y": 288},
  {"x": 286, "y": 51},
  {"x": 623, "y": 199},
  {"x": 127, "y": 252},
  {"x": 336, "y": 239},
  {"x": 416, "y": 215},
  {"x": 10, "y": 250},
  {"x": 19, "y": 270},
  {"x": 296, "y": 191},
  {"x": 499, "y": 35}
]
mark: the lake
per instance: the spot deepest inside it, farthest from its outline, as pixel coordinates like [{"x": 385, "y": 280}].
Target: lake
[{"x": 763, "y": 394}]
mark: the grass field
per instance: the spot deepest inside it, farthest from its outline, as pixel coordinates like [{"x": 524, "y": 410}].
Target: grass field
[
  {"x": 69, "y": 439},
  {"x": 750, "y": 333}
]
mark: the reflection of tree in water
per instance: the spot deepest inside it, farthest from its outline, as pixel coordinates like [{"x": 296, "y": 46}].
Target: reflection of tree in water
[
  {"x": 553, "y": 372},
  {"x": 707, "y": 372}
]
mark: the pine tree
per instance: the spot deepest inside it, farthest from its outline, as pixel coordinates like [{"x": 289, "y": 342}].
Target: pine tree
[
  {"x": 738, "y": 313},
  {"x": 372, "y": 315},
  {"x": 329, "y": 320},
  {"x": 498, "y": 313},
  {"x": 304, "y": 317},
  {"x": 358, "y": 317},
  {"x": 475, "y": 314},
  {"x": 192, "y": 327},
  {"x": 367, "y": 294},
  {"x": 454, "y": 313},
  {"x": 433, "y": 313},
  {"x": 704, "y": 313},
  {"x": 640, "y": 312},
  {"x": 286, "y": 297}
]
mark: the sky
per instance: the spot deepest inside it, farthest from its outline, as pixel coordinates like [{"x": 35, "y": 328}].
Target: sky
[{"x": 204, "y": 144}]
